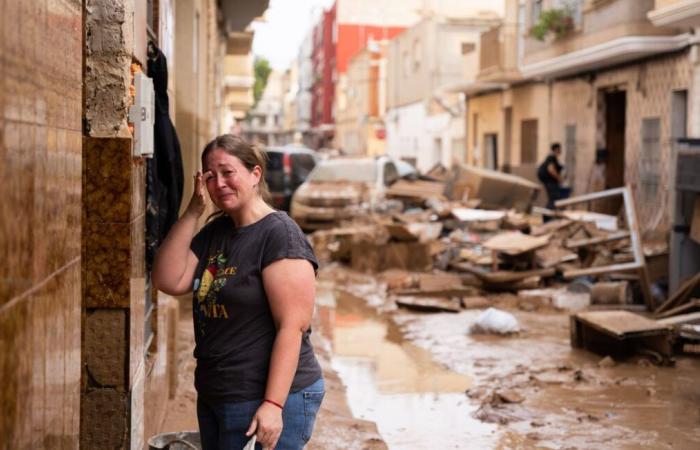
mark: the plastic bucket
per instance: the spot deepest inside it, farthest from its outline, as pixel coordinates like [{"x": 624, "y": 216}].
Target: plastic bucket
[{"x": 180, "y": 440}]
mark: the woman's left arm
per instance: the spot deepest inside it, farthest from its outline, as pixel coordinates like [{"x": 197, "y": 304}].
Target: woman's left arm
[{"x": 290, "y": 285}]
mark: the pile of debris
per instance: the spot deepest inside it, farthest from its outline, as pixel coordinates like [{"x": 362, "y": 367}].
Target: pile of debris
[{"x": 469, "y": 232}]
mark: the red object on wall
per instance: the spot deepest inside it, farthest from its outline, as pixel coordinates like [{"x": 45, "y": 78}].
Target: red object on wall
[{"x": 334, "y": 44}]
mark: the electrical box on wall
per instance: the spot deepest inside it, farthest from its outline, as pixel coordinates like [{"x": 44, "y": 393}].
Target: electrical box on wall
[{"x": 141, "y": 114}]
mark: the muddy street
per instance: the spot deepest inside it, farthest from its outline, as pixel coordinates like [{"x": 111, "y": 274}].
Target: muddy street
[
  {"x": 426, "y": 381},
  {"x": 398, "y": 379}
]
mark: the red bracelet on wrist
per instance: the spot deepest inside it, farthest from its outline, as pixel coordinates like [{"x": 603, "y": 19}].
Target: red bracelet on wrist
[{"x": 274, "y": 403}]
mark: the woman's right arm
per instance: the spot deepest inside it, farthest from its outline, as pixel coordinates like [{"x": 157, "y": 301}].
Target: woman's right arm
[{"x": 175, "y": 263}]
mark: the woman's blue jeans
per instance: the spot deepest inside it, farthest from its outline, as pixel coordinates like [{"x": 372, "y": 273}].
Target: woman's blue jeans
[{"x": 222, "y": 426}]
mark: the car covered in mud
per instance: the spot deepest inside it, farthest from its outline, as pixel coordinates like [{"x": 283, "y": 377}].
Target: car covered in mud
[{"x": 342, "y": 188}]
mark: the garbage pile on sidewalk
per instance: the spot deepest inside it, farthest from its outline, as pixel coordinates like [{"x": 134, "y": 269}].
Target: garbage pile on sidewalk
[{"x": 467, "y": 233}]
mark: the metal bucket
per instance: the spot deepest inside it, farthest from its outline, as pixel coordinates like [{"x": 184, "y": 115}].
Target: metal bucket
[{"x": 180, "y": 440}]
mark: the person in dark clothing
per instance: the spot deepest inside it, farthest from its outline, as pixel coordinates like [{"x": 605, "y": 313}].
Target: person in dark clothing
[
  {"x": 549, "y": 173},
  {"x": 252, "y": 274}
]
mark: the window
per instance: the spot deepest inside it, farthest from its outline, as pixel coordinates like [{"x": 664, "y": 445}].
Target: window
[
  {"x": 649, "y": 158},
  {"x": 390, "y": 173},
  {"x": 491, "y": 151},
  {"x": 528, "y": 141},
  {"x": 535, "y": 11},
  {"x": 151, "y": 19},
  {"x": 416, "y": 54},
  {"x": 468, "y": 47},
  {"x": 302, "y": 164},
  {"x": 406, "y": 63},
  {"x": 570, "y": 152}
]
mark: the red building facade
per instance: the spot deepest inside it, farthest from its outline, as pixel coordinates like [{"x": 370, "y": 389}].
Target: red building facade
[
  {"x": 323, "y": 90},
  {"x": 334, "y": 44}
]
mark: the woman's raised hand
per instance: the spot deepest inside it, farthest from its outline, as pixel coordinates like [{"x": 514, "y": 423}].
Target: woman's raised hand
[{"x": 198, "y": 202}]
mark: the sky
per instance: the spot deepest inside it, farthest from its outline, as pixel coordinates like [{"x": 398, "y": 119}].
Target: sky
[{"x": 279, "y": 36}]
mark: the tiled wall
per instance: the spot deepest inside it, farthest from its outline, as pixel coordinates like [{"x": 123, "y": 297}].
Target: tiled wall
[{"x": 40, "y": 164}]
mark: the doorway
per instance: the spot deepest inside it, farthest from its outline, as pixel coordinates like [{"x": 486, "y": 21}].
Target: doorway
[
  {"x": 528, "y": 141},
  {"x": 507, "y": 126},
  {"x": 491, "y": 151},
  {"x": 615, "y": 113}
]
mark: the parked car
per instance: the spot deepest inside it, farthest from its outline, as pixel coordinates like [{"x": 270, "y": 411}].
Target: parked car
[
  {"x": 342, "y": 188},
  {"x": 287, "y": 168}
]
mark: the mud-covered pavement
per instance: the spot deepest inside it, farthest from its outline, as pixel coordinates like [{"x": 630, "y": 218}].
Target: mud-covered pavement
[
  {"x": 530, "y": 390},
  {"x": 429, "y": 383}
]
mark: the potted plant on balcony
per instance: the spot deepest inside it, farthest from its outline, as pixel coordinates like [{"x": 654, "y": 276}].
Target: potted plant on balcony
[{"x": 558, "y": 21}]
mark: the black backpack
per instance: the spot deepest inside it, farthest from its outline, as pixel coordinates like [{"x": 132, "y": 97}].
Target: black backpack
[{"x": 542, "y": 173}]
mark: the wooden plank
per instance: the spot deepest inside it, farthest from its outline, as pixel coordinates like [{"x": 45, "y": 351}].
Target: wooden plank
[
  {"x": 429, "y": 304},
  {"x": 551, "y": 227},
  {"x": 685, "y": 307},
  {"x": 503, "y": 276},
  {"x": 681, "y": 294},
  {"x": 447, "y": 292},
  {"x": 475, "y": 215},
  {"x": 588, "y": 197},
  {"x": 577, "y": 243},
  {"x": 680, "y": 319},
  {"x": 622, "y": 324},
  {"x": 600, "y": 270}
]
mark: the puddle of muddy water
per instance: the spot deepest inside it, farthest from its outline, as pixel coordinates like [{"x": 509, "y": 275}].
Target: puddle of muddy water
[{"x": 416, "y": 403}]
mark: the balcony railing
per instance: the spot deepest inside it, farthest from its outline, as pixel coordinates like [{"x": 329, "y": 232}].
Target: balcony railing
[
  {"x": 498, "y": 55},
  {"x": 601, "y": 22}
]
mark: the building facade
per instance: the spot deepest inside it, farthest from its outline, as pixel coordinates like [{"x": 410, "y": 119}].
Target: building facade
[
  {"x": 424, "y": 121},
  {"x": 266, "y": 121},
  {"x": 344, "y": 31},
  {"x": 617, "y": 79},
  {"x": 85, "y": 350}
]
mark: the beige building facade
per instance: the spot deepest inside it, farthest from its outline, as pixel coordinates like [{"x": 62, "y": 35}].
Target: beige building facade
[
  {"x": 616, "y": 80},
  {"x": 424, "y": 119}
]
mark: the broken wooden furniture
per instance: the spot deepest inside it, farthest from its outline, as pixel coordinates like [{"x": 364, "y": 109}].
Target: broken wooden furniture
[
  {"x": 639, "y": 263},
  {"x": 516, "y": 246},
  {"x": 621, "y": 333},
  {"x": 679, "y": 302}
]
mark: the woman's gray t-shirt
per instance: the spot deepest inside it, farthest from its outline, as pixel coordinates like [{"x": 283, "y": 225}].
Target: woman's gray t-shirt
[{"x": 234, "y": 329}]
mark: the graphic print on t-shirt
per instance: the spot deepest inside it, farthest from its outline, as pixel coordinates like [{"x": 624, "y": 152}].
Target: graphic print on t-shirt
[{"x": 206, "y": 289}]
